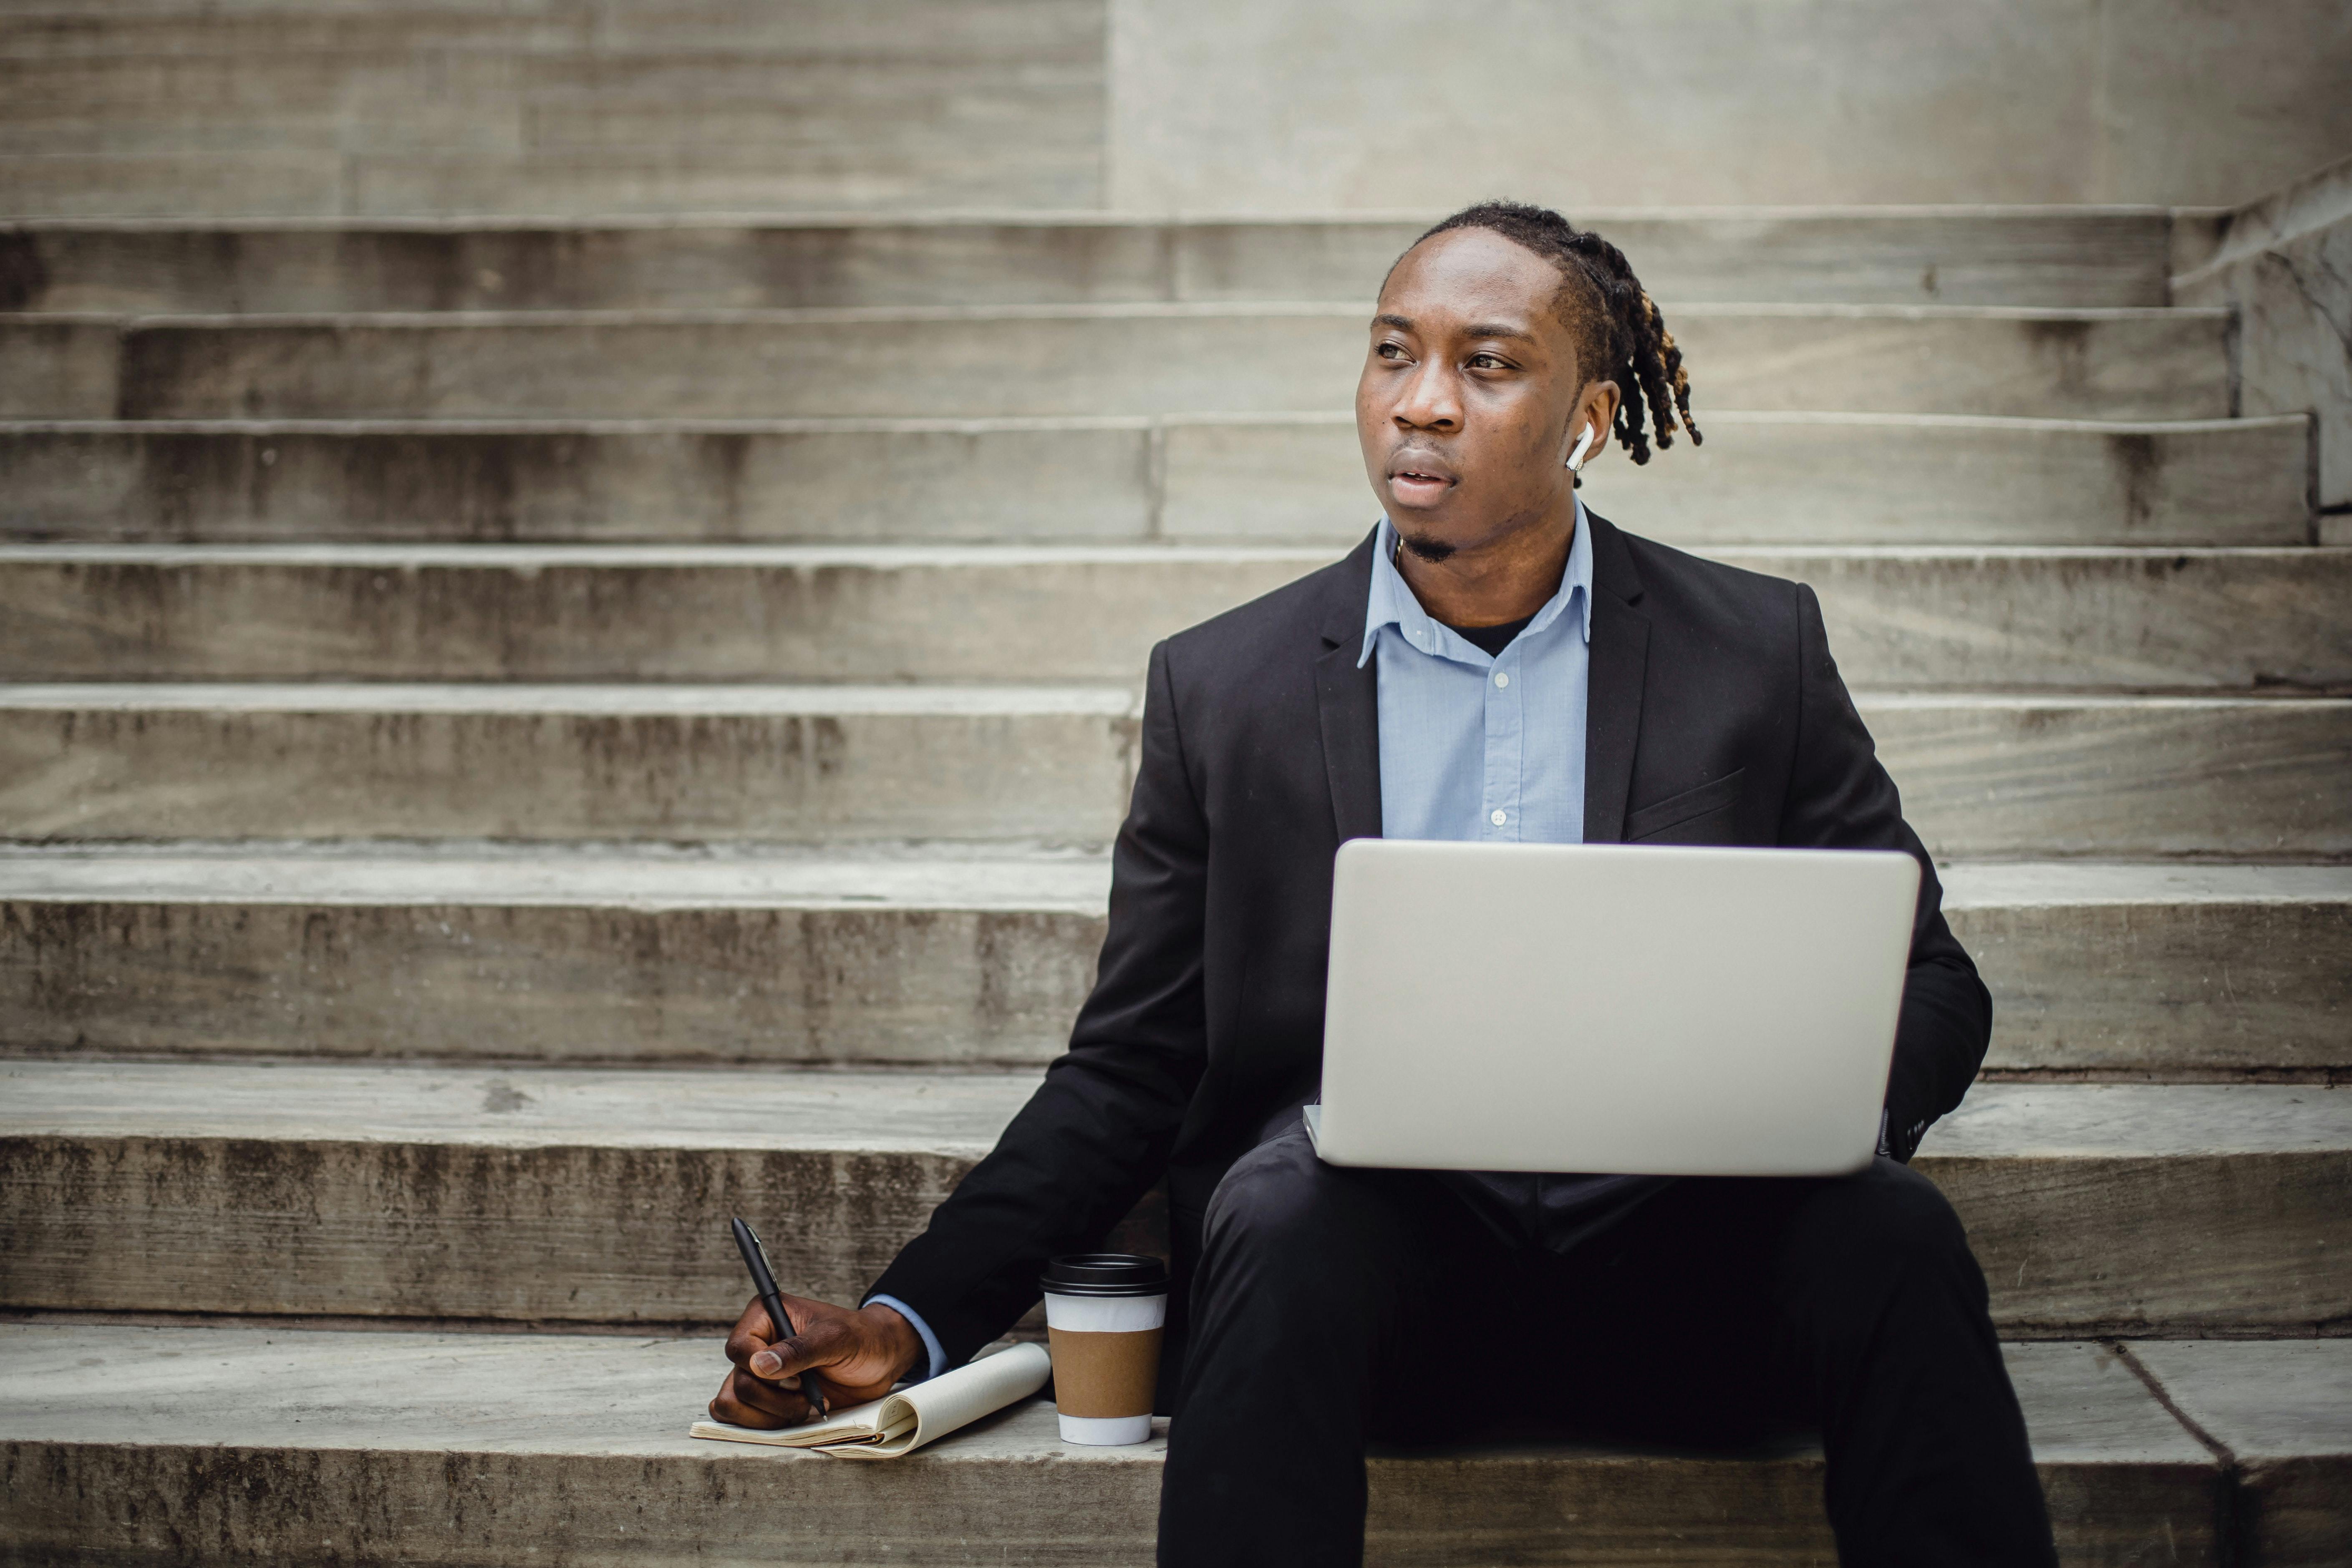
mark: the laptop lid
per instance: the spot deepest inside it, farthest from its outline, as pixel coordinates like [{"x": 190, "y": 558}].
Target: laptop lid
[{"x": 1668, "y": 1011}]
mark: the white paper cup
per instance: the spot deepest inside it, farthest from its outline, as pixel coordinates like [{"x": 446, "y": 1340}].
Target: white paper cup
[{"x": 1106, "y": 1350}]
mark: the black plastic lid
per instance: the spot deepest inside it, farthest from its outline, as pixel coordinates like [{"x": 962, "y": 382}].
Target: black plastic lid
[{"x": 1105, "y": 1274}]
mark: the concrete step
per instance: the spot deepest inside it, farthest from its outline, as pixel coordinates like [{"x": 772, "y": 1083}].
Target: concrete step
[
  {"x": 2119, "y": 777},
  {"x": 885, "y": 955},
  {"x": 999, "y": 360},
  {"x": 556, "y": 1194},
  {"x": 2163, "y": 970},
  {"x": 907, "y": 113},
  {"x": 1984, "y": 776},
  {"x": 694, "y": 177},
  {"x": 2086, "y": 257},
  {"x": 137, "y": 31},
  {"x": 2278, "y": 1414},
  {"x": 1909, "y": 616},
  {"x": 1761, "y": 478},
  {"x": 542, "y": 763},
  {"x": 914, "y": 103},
  {"x": 877, "y": 955},
  {"x": 449, "y": 1449}
]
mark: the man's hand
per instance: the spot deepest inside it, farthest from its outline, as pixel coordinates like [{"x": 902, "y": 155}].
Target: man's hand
[{"x": 857, "y": 1354}]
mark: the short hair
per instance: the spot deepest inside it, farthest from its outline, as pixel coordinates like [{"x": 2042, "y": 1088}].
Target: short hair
[{"x": 1619, "y": 332}]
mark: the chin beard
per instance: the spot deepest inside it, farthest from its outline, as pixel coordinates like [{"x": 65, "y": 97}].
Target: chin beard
[{"x": 1430, "y": 550}]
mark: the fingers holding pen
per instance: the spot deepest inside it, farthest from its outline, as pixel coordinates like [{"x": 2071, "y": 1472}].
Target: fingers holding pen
[{"x": 746, "y": 1400}]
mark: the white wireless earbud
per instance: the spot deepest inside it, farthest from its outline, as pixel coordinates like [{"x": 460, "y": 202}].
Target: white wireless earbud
[{"x": 1583, "y": 444}]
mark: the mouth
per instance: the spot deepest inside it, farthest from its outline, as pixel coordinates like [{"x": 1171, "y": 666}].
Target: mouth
[{"x": 1419, "y": 482}]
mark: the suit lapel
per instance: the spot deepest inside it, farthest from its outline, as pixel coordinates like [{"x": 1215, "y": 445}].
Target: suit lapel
[
  {"x": 1621, "y": 658},
  {"x": 1347, "y": 699}
]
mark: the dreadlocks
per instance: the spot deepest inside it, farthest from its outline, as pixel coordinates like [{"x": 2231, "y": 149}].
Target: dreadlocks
[{"x": 1619, "y": 335}]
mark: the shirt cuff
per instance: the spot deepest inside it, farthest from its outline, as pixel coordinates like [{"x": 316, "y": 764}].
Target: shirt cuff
[{"x": 931, "y": 1340}]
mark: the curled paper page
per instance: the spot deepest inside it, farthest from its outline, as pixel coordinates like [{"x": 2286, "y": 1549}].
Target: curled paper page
[{"x": 903, "y": 1421}]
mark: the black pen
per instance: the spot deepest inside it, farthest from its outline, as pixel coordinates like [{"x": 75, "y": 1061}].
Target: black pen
[{"x": 764, "y": 1281}]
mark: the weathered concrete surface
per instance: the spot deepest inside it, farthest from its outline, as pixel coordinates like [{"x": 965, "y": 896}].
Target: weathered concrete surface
[
  {"x": 1836, "y": 478},
  {"x": 54, "y": 365},
  {"x": 1908, "y": 616},
  {"x": 255, "y": 184},
  {"x": 557, "y": 109},
  {"x": 1080, "y": 478},
  {"x": 1373, "y": 105},
  {"x": 1760, "y": 478},
  {"x": 1100, "y": 359},
  {"x": 571, "y": 1450},
  {"x": 560, "y": 956},
  {"x": 2284, "y": 267},
  {"x": 2285, "y": 1414},
  {"x": 563, "y": 1193},
  {"x": 2165, "y": 970},
  {"x": 872, "y": 956},
  {"x": 2121, "y": 777},
  {"x": 562, "y": 762},
  {"x": 528, "y": 1193},
  {"x": 2137, "y": 1208},
  {"x": 1952, "y": 255}
]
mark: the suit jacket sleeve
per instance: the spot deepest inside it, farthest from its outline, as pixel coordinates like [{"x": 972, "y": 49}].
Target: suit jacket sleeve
[
  {"x": 1098, "y": 1130},
  {"x": 1840, "y": 797}
]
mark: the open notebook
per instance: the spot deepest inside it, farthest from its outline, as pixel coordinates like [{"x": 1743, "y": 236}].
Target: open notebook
[{"x": 904, "y": 1420}]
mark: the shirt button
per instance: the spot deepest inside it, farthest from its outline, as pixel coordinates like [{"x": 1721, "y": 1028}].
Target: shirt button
[
  {"x": 1498, "y": 820},
  {"x": 1501, "y": 678}
]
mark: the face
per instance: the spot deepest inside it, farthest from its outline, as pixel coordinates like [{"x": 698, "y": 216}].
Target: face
[{"x": 1471, "y": 397}]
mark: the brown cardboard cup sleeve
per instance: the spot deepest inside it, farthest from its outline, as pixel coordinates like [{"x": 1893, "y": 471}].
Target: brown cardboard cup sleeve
[{"x": 1104, "y": 1315}]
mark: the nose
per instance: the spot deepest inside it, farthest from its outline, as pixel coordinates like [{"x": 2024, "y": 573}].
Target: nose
[{"x": 1429, "y": 400}]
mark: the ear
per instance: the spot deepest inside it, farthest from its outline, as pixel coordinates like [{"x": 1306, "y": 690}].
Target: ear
[{"x": 1596, "y": 407}]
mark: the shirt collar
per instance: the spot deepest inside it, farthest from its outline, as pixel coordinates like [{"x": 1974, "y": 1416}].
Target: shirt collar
[{"x": 1392, "y": 603}]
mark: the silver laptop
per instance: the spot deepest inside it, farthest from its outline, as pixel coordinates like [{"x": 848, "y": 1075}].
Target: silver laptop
[{"x": 1619, "y": 1008}]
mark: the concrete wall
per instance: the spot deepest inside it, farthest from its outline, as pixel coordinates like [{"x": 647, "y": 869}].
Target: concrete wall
[
  {"x": 2285, "y": 266},
  {"x": 1240, "y": 104}
]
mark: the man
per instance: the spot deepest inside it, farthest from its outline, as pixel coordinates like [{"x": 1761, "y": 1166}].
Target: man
[{"x": 1494, "y": 663}]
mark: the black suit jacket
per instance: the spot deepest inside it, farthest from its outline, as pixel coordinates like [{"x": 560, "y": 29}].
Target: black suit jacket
[{"x": 1717, "y": 716}]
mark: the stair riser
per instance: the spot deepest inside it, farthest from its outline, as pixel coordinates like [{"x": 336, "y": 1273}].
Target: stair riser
[
  {"x": 2165, "y": 989},
  {"x": 2263, "y": 779},
  {"x": 2182, "y": 1244},
  {"x": 1060, "y": 169},
  {"x": 2124, "y": 781},
  {"x": 2073, "y": 259},
  {"x": 893, "y": 32},
  {"x": 2151, "y": 366},
  {"x": 1953, "y": 621},
  {"x": 935, "y": 110},
  {"x": 1058, "y": 777},
  {"x": 109, "y": 1503},
  {"x": 1753, "y": 482},
  {"x": 931, "y": 987},
  {"x": 2169, "y": 989},
  {"x": 104, "y": 1472}
]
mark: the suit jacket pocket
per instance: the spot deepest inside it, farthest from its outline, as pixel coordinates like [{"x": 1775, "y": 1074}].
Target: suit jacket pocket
[{"x": 1684, "y": 810}]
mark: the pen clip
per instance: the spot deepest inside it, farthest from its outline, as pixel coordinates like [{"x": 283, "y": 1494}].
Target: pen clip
[{"x": 762, "y": 1249}]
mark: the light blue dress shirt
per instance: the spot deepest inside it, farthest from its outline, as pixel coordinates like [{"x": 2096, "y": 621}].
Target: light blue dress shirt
[
  {"x": 1459, "y": 758},
  {"x": 1492, "y": 748},
  {"x": 1474, "y": 747}
]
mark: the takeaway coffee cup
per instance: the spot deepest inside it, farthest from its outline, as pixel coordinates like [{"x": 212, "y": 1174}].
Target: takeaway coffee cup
[{"x": 1104, "y": 1314}]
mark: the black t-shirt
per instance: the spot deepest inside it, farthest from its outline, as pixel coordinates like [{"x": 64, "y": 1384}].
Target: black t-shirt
[{"x": 1490, "y": 640}]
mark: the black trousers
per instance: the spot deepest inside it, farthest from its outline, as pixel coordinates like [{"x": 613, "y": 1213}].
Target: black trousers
[{"x": 1332, "y": 1305}]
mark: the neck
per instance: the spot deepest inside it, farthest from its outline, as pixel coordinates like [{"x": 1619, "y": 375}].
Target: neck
[{"x": 1506, "y": 579}]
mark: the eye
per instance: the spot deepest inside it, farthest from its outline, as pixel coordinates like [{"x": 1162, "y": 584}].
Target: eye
[
  {"x": 1391, "y": 351},
  {"x": 1487, "y": 362}
]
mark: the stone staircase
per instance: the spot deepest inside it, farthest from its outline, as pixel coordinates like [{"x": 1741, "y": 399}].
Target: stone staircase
[{"x": 524, "y": 737}]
